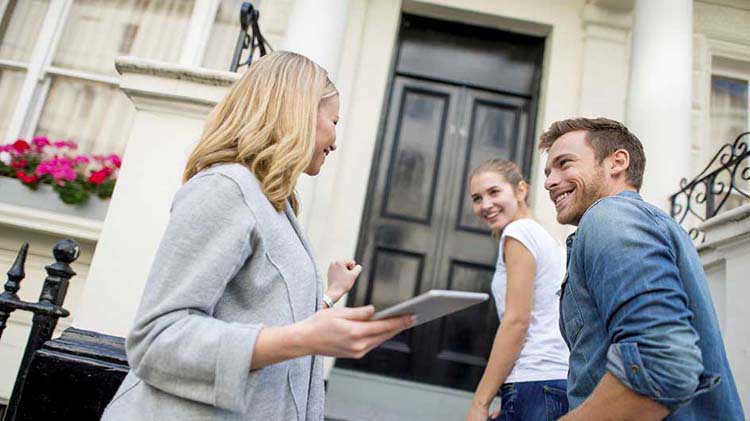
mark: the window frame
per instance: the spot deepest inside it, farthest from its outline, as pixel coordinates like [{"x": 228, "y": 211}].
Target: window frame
[
  {"x": 39, "y": 71},
  {"x": 734, "y": 69}
]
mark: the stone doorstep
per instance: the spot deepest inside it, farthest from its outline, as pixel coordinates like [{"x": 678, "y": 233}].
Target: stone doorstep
[{"x": 359, "y": 396}]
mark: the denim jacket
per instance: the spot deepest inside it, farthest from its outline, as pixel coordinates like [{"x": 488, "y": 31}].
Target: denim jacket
[{"x": 635, "y": 302}]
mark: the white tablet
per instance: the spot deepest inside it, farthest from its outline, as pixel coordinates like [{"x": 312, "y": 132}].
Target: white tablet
[{"x": 433, "y": 304}]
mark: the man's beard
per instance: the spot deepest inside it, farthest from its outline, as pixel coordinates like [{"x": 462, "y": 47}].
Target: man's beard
[{"x": 586, "y": 195}]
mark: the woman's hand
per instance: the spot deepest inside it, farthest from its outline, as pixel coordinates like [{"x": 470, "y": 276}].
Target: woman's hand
[
  {"x": 478, "y": 412},
  {"x": 348, "y": 332},
  {"x": 341, "y": 276}
]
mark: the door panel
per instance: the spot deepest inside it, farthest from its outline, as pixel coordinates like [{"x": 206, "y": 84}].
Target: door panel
[
  {"x": 494, "y": 132},
  {"x": 469, "y": 55},
  {"x": 414, "y": 161}
]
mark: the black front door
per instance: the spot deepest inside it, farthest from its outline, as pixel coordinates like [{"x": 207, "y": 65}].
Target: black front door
[{"x": 460, "y": 95}]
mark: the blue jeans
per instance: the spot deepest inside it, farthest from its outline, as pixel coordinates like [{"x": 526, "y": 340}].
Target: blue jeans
[{"x": 533, "y": 401}]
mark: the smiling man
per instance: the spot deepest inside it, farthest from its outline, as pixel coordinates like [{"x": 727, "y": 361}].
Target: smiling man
[{"x": 635, "y": 309}]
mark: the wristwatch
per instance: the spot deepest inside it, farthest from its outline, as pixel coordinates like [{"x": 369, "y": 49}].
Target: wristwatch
[{"x": 328, "y": 301}]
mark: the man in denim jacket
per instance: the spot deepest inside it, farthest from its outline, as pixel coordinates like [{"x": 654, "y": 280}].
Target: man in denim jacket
[{"x": 635, "y": 309}]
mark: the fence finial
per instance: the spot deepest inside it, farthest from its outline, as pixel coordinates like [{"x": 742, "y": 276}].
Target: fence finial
[{"x": 16, "y": 273}]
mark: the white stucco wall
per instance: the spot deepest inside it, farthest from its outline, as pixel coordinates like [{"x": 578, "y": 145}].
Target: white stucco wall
[{"x": 726, "y": 259}]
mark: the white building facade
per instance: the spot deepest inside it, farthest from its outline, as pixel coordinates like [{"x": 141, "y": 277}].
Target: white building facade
[{"x": 675, "y": 71}]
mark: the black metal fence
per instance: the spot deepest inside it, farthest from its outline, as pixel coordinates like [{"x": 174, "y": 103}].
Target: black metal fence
[
  {"x": 724, "y": 183},
  {"x": 46, "y": 311}
]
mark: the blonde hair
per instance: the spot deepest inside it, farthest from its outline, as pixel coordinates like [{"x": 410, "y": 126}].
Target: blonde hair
[
  {"x": 507, "y": 169},
  {"x": 267, "y": 122}
]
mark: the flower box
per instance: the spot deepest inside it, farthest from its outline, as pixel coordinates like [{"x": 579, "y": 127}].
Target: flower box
[
  {"x": 50, "y": 176},
  {"x": 13, "y": 192}
]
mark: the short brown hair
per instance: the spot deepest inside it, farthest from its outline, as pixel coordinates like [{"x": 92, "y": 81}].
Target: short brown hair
[{"x": 605, "y": 136}]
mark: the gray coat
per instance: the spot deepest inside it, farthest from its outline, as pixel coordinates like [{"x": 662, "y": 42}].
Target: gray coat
[{"x": 228, "y": 265}]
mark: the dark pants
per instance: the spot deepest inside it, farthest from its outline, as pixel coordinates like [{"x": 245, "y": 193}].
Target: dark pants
[{"x": 533, "y": 401}]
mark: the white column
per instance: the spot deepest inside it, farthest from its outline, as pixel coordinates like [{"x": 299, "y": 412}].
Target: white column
[
  {"x": 659, "y": 106},
  {"x": 171, "y": 102},
  {"x": 604, "y": 77},
  {"x": 199, "y": 32},
  {"x": 316, "y": 29}
]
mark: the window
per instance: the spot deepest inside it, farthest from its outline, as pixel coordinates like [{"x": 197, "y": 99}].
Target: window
[
  {"x": 57, "y": 74},
  {"x": 730, "y": 116},
  {"x": 730, "y": 100},
  {"x": 18, "y": 35}
]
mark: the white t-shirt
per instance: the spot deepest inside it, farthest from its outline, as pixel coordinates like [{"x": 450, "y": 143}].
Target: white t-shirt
[{"x": 544, "y": 355}]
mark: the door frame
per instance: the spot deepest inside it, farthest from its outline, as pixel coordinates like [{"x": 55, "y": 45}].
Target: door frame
[{"x": 377, "y": 155}]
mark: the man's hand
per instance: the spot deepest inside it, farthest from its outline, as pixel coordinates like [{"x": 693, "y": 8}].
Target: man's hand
[{"x": 612, "y": 400}]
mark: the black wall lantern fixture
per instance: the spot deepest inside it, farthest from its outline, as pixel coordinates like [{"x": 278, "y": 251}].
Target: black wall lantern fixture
[{"x": 249, "y": 16}]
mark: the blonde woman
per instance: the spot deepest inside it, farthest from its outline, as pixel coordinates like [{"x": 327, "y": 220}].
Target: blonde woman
[
  {"x": 528, "y": 363},
  {"x": 233, "y": 317}
]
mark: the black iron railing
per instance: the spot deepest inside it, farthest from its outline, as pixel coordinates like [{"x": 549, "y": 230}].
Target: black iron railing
[
  {"x": 46, "y": 311},
  {"x": 726, "y": 179},
  {"x": 249, "y": 16}
]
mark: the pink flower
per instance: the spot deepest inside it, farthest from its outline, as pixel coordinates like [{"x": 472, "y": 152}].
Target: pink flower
[
  {"x": 40, "y": 141},
  {"x": 60, "y": 168},
  {"x": 115, "y": 160},
  {"x": 81, "y": 159},
  {"x": 65, "y": 144}
]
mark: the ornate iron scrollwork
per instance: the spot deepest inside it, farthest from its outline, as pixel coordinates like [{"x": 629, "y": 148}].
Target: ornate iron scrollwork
[{"x": 726, "y": 176}]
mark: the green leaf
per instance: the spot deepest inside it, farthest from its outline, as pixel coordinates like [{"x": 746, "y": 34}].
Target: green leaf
[
  {"x": 72, "y": 193},
  {"x": 105, "y": 189}
]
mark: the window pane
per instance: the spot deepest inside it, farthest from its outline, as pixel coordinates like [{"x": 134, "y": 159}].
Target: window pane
[
  {"x": 94, "y": 115},
  {"x": 97, "y": 31},
  {"x": 10, "y": 84},
  {"x": 729, "y": 109},
  {"x": 729, "y": 118},
  {"x": 17, "y": 39},
  {"x": 224, "y": 35}
]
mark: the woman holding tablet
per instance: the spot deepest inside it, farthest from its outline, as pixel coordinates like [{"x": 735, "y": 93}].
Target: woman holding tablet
[
  {"x": 233, "y": 318},
  {"x": 529, "y": 359}
]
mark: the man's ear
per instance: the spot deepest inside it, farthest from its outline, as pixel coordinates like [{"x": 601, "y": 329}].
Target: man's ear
[{"x": 618, "y": 163}]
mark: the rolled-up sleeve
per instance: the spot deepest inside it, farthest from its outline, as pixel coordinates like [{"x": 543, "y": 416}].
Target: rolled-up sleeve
[
  {"x": 176, "y": 345},
  {"x": 633, "y": 277}
]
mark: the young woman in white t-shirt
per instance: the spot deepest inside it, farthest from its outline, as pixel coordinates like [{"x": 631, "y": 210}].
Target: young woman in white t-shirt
[{"x": 529, "y": 359}]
